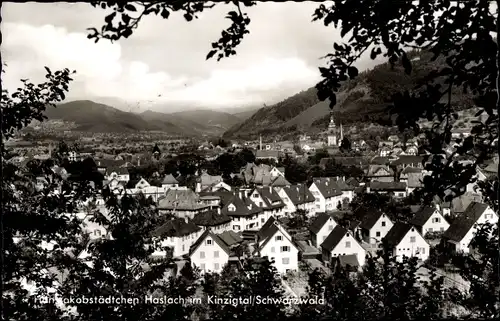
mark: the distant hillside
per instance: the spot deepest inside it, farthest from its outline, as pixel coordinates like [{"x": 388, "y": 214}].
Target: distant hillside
[
  {"x": 89, "y": 116},
  {"x": 364, "y": 99},
  {"x": 200, "y": 122},
  {"x": 244, "y": 115}
]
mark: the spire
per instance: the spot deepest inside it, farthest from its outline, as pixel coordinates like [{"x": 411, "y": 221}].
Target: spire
[{"x": 341, "y": 133}]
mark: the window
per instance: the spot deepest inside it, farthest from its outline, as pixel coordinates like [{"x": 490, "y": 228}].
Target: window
[
  {"x": 262, "y": 220},
  {"x": 348, "y": 244},
  {"x": 272, "y": 249},
  {"x": 330, "y": 227},
  {"x": 377, "y": 234},
  {"x": 488, "y": 216},
  {"x": 97, "y": 232},
  {"x": 278, "y": 238},
  {"x": 430, "y": 229},
  {"x": 209, "y": 242},
  {"x": 286, "y": 260},
  {"x": 318, "y": 206},
  {"x": 202, "y": 255},
  {"x": 422, "y": 250},
  {"x": 383, "y": 223},
  {"x": 216, "y": 266},
  {"x": 236, "y": 227},
  {"x": 255, "y": 195},
  {"x": 285, "y": 249},
  {"x": 202, "y": 266},
  {"x": 216, "y": 254},
  {"x": 436, "y": 220},
  {"x": 442, "y": 229},
  {"x": 413, "y": 239},
  {"x": 183, "y": 247}
]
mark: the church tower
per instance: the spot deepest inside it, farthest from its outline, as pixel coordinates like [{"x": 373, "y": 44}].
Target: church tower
[{"x": 332, "y": 132}]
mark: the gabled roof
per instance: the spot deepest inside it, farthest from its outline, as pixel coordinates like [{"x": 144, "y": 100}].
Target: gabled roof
[
  {"x": 373, "y": 170},
  {"x": 327, "y": 187},
  {"x": 299, "y": 194},
  {"x": 270, "y": 196},
  {"x": 280, "y": 181},
  {"x": 230, "y": 238},
  {"x": 319, "y": 222},
  {"x": 397, "y": 233},
  {"x": 169, "y": 180},
  {"x": 184, "y": 199},
  {"x": 370, "y": 219},
  {"x": 334, "y": 238},
  {"x": 422, "y": 216},
  {"x": 348, "y": 260},
  {"x": 117, "y": 170},
  {"x": 214, "y": 237},
  {"x": 176, "y": 227},
  {"x": 462, "y": 224},
  {"x": 244, "y": 207},
  {"x": 379, "y": 160},
  {"x": 410, "y": 169},
  {"x": 267, "y": 154},
  {"x": 210, "y": 218},
  {"x": 267, "y": 231},
  {"x": 407, "y": 160},
  {"x": 415, "y": 180}
]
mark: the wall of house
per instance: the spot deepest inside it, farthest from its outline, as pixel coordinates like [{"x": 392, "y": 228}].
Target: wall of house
[
  {"x": 372, "y": 237},
  {"x": 354, "y": 248},
  {"x": 309, "y": 208},
  {"x": 179, "y": 245},
  {"x": 219, "y": 228},
  {"x": 489, "y": 216},
  {"x": 209, "y": 257},
  {"x": 324, "y": 232},
  {"x": 420, "y": 248},
  {"x": 432, "y": 226},
  {"x": 289, "y": 206},
  {"x": 273, "y": 249},
  {"x": 320, "y": 202}
]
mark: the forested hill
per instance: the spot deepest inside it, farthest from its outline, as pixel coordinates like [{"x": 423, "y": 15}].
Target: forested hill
[{"x": 362, "y": 100}]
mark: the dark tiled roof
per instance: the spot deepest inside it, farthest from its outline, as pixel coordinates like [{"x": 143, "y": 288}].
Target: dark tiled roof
[
  {"x": 117, "y": 170},
  {"x": 176, "y": 227},
  {"x": 299, "y": 194},
  {"x": 327, "y": 187},
  {"x": 334, "y": 238},
  {"x": 210, "y": 218},
  {"x": 180, "y": 200},
  {"x": 460, "y": 226},
  {"x": 387, "y": 186},
  {"x": 408, "y": 160},
  {"x": 216, "y": 239},
  {"x": 348, "y": 260},
  {"x": 267, "y": 154},
  {"x": 374, "y": 170},
  {"x": 370, "y": 219},
  {"x": 268, "y": 229},
  {"x": 410, "y": 169},
  {"x": 422, "y": 216},
  {"x": 396, "y": 233},
  {"x": 270, "y": 196},
  {"x": 319, "y": 222},
  {"x": 169, "y": 179},
  {"x": 379, "y": 160},
  {"x": 244, "y": 207},
  {"x": 230, "y": 238},
  {"x": 415, "y": 180},
  {"x": 280, "y": 181}
]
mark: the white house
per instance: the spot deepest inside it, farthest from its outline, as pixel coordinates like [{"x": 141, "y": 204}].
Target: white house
[
  {"x": 275, "y": 171},
  {"x": 244, "y": 214},
  {"x": 118, "y": 173},
  {"x": 93, "y": 229},
  {"x": 177, "y": 234},
  {"x": 169, "y": 181},
  {"x": 429, "y": 219},
  {"x": 209, "y": 253},
  {"x": 270, "y": 202},
  {"x": 326, "y": 194},
  {"x": 405, "y": 240},
  {"x": 462, "y": 230},
  {"x": 297, "y": 197},
  {"x": 274, "y": 242},
  {"x": 341, "y": 242},
  {"x": 320, "y": 228},
  {"x": 375, "y": 226}
]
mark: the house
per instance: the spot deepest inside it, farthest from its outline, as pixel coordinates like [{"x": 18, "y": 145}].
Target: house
[
  {"x": 346, "y": 189},
  {"x": 119, "y": 173},
  {"x": 462, "y": 230},
  {"x": 142, "y": 184},
  {"x": 380, "y": 173},
  {"x": 182, "y": 203},
  {"x": 398, "y": 189},
  {"x": 297, "y": 197},
  {"x": 211, "y": 252},
  {"x": 277, "y": 171},
  {"x": 375, "y": 226},
  {"x": 341, "y": 242},
  {"x": 274, "y": 242},
  {"x": 213, "y": 220},
  {"x": 267, "y": 154},
  {"x": 207, "y": 181},
  {"x": 326, "y": 194},
  {"x": 216, "y": 186},
  {"x": 169, "y": 181},
  {"x": 414, "y": 181},
  {"x": 178, "y": 234},
  {"x": 270, "y": 202},
  {"x": 104, "y": 164},
  {"x": 429, "y": 219},
  {"x": 243, "y": 212},
  {"x": 405, "y": 240},
  {"x": 320, "y": 228},
  {"x": 278, "y": 181}
]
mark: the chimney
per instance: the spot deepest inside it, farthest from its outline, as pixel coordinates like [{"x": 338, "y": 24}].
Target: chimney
[
  {"x": 260, "y": 142},
  {"x": 186, "y": 219},
  {"x": 218, "y": 210},
  {"x": 270, "y": 189}
]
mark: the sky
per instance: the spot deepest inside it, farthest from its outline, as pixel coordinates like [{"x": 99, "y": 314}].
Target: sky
[{"x": 162, "y": 66}]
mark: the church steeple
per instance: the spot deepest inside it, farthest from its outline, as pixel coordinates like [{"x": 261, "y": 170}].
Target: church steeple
[{"x": 332, "y": 132}]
